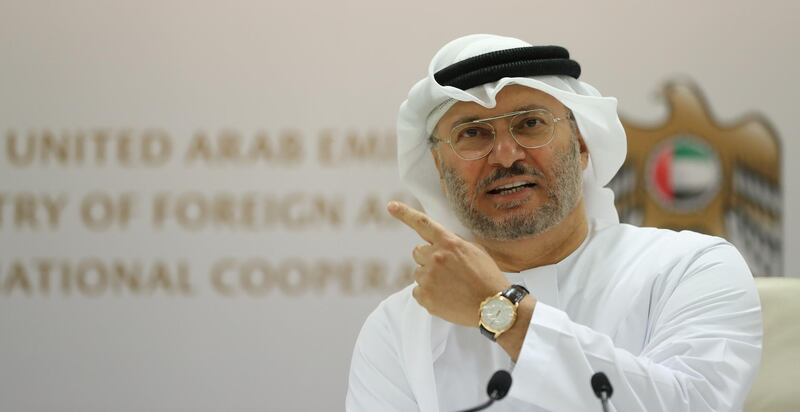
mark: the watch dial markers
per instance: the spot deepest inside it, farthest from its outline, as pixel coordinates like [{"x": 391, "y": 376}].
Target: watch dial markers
[{"x": 497, "y": 314}]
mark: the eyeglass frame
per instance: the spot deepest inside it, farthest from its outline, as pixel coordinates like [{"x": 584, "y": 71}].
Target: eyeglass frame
[{"x": 486, "y": 120}]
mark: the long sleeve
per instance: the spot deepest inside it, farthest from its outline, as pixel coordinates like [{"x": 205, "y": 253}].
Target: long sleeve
[{"x": 700, "y": 353}]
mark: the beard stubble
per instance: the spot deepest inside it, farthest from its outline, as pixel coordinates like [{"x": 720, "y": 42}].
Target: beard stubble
[{"x": 562, "y": 194}]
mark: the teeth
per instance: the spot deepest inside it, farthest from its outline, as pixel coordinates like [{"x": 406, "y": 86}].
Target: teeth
[
  {"x": 509, "y": 188},
  {"x": 510, "y": 185},
  {"x": 514, "y": 190}
]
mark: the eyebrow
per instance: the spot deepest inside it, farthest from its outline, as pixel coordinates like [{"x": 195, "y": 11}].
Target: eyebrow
[{"x": 468, "y": 119}]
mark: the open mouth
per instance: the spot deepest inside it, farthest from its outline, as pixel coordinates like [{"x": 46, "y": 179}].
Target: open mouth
[{"x": 511, "y": 188}]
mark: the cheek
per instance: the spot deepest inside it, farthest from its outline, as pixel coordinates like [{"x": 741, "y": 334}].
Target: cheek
[
  {"x": 466, "y": 170},
  {"x": 471, "y": 176},
  {"x": 542, "y": 158}
]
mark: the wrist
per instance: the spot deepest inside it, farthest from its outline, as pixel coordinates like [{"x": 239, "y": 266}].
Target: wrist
[{"x": 511, "y": 341}]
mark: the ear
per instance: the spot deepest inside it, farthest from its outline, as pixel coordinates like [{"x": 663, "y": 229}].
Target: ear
[
  {"x": 584, "y": 150},
  {"x": 437, "y": 160}
]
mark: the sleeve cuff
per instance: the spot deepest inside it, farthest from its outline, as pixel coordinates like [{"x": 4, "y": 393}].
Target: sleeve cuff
[{"x": 541, "y": 360}]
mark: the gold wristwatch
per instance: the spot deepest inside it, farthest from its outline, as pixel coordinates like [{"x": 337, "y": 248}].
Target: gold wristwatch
[{"x": 499, "y": 312}]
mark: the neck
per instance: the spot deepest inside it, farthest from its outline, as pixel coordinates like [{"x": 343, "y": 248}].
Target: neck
[{"x": 546, "y": 248}]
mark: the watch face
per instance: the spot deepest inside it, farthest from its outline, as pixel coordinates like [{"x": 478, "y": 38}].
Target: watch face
[{"x": 497, "y": 314}]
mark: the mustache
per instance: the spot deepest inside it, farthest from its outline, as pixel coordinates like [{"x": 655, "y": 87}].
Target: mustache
[{"x": 516, "y": 169}]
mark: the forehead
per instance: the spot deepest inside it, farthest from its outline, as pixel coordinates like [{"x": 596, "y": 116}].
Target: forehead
[{"x": 511, "y": 98}]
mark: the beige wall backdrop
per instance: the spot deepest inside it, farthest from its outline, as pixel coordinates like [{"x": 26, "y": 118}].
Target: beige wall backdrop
[{"x": 191, "y": 191}]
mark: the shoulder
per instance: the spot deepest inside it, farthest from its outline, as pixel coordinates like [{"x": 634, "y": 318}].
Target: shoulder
[
  {"x": 632, "y": 235},
  {"x": 645, "y": 255},
  {"x": 377, "y": 379},
  {"x": 385, "y": 321},
  {"x": 658, "y": 245}
]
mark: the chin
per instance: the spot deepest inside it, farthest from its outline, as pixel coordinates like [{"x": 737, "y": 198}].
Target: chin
[{"x": 507, "y": 221}]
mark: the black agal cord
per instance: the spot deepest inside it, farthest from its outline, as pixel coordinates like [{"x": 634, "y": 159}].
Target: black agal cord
[{"x": 517, "y": 62}]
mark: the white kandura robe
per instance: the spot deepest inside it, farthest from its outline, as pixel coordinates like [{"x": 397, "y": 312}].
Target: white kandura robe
[{"x": 672, "y": 318}]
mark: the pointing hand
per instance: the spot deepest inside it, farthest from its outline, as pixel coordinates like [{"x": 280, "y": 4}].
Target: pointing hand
[{"x": 453, "y": 275}]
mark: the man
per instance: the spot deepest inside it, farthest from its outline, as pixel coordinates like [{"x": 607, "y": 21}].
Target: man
[{"x": 525, "y": 267}]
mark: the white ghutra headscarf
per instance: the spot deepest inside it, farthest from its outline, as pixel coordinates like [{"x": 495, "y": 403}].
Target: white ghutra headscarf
[{"x": 595, "y": 115}]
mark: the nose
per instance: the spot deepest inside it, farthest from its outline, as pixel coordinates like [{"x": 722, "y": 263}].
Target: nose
[{"x": 506, "y": 150}]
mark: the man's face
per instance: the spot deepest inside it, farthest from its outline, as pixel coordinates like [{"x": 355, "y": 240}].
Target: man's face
[{"x": 550, "y": 175}]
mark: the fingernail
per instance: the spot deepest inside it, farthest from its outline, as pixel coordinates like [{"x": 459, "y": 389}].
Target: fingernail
[{"x": 392, "y": 206}]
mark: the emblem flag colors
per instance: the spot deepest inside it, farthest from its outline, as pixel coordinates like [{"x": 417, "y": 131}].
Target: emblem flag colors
[{"x": 684, "y": 173}]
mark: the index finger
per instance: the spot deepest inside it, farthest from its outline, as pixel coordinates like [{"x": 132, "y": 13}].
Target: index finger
[{"x": 425, "y": 227}]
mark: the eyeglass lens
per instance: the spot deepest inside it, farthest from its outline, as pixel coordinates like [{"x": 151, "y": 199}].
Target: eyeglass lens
[{"x": 530, "y": 129}]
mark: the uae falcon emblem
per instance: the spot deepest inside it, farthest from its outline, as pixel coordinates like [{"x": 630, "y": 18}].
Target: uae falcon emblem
[{"x": 692, "y": 172}]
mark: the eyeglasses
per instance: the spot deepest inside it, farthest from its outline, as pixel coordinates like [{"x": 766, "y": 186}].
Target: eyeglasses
[{"x": 531, "y": 129}]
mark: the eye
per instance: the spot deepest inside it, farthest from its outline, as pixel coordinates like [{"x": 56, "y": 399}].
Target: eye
[
  {"x": 474, "y": 132},
  {"x": 530, "y": 121},
  {"x": 471, "y": 132},
  {"x": 532, "y": 125}
]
